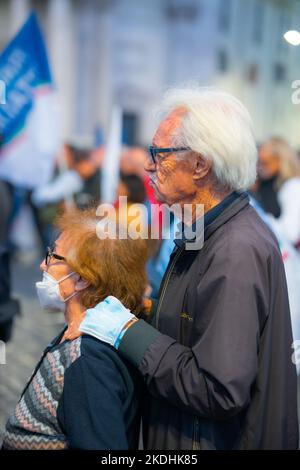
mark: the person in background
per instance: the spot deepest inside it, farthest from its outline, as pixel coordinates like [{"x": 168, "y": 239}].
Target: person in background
[
  {"x": 132, "y": 186},
  {"x": 9, "y": 307},
  {"x": 291, "y": 260},
  {"x": 265, "y": 188},
  {"x": 75, "y": 182},
  {"x": 279, "y": 171},
  {"x": 133, "y": 161},
  {"x": 82, "y": 394}
]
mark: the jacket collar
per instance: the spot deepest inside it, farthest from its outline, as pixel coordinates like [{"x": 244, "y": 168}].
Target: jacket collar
[
  {"x": 233, "y": 209},
  {"x": 215, "y": 218}
]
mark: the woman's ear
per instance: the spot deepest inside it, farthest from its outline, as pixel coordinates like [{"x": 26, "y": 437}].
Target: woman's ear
[
  {"x": 202, "y": 167},
  {"x": 81, "y": 284}
]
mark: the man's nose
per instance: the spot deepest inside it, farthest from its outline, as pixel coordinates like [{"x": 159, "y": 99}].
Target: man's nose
[{"x": 149, "y": 165}]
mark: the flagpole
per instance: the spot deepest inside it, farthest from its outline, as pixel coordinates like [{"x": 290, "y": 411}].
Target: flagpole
[{"x": 110, "y": 171}]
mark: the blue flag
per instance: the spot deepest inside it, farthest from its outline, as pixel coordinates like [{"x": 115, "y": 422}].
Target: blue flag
[{"x": 28, "y": 128}]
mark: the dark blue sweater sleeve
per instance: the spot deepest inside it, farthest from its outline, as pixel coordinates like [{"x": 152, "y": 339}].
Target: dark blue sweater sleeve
[{"x": 90, "y": 409}]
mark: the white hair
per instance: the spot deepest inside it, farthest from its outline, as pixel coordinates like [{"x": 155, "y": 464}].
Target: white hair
[{"x": 217, "y": 126}]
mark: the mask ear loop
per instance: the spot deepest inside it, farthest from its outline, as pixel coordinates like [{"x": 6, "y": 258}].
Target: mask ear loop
[
  {"x": 65, "y": 277},
  {"x": 58, "y": 281},
  {"x": 70, "y": 296},
  {"x": 61, "y": 280}
]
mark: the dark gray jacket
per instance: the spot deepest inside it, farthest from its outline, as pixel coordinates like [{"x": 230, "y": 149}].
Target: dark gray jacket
[{"x": 218, "y": 364}]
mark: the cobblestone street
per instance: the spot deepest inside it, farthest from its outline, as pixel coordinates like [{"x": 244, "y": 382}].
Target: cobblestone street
[{"x": 33, "y": 330}]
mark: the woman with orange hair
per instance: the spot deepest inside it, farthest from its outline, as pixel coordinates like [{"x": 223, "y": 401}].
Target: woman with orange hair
[{"x": 82, "y": 394}]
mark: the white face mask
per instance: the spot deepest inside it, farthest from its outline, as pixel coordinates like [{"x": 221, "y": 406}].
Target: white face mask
[{"x": 49, "y": 294}]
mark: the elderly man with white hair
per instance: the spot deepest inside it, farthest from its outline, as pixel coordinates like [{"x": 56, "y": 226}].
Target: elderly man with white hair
[{"x": 216, "y": 353}]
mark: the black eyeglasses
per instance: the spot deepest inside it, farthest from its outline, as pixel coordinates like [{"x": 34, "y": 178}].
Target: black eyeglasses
[
  {"x": 50, "y": 254},
  {"x": 155, "y": 150}
]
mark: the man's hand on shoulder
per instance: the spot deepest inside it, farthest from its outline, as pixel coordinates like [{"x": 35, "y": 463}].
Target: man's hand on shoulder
[{"x": 108, "y": 321}]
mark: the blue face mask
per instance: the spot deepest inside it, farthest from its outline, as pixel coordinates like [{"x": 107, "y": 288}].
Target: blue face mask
[{"x": 49, "y": 294}]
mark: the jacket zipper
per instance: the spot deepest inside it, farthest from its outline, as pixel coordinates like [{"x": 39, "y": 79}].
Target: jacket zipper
[
  {"x": 166, "y": 281},
  {"x": 196, "y": 436}
]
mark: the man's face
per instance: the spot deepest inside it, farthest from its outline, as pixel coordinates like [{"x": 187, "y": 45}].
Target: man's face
[
  {"x": 171, "y": 177},
  {"x": 268, "y": 163}
]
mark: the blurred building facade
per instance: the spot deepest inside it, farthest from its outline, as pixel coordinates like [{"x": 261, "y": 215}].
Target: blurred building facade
[{"x": 128, "y": 52}]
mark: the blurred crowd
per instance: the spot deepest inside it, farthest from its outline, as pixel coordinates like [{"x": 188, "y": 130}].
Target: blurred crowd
[{"x": 77, "y": 182}]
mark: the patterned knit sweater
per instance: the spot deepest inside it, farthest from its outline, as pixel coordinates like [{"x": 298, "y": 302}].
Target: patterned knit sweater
[{"x": 80, "y": 395}]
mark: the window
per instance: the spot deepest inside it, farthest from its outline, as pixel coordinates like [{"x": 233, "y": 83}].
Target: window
[
  {"x": 279, "y": 73},
  {"x": 224, "y": 15},
  {"x": 253, "y": 73},
  {"x": 284, "y": 22},
  {"x": 129, "y": 128},
  {"x": 182, "y": 11},
  {"x": 222, "y": 60},
  {"x": 258, "y": 22}
]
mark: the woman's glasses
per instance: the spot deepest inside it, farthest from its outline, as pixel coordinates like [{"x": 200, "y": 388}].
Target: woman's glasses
[{"x": 50, "y": 254}]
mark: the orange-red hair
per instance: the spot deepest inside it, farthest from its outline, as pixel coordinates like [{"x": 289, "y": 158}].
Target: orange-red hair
[{"x": 111, "y": 266}]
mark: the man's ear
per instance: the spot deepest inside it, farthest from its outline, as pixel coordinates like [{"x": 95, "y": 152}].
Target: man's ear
[
  {"x": 202, "y": 167},
  {"x": 81, "y": 284}
]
